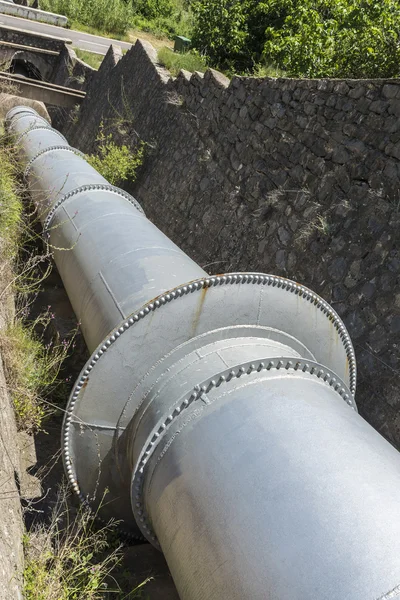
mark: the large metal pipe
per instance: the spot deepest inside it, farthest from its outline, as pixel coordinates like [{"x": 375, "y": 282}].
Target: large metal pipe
[{"x": 216, "y": 416}]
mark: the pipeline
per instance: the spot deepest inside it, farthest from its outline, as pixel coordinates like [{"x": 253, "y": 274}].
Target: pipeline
[{"x": 216, "y": 416}]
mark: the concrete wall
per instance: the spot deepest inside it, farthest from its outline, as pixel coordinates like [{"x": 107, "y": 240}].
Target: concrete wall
[
  {"x": 33, "y": 14},
  {"x": 11, "y": 523},
  {"x": 29, "y": 38},
  {"x": 44, "y": 54},
  {"x": 295, "y": 177},
  {"x": 44, "y": 63}
]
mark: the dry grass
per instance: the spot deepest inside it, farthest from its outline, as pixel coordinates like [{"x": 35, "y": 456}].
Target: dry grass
[
  {"x": 32, "y": 369},
  {"x": 70, "y": 558}
]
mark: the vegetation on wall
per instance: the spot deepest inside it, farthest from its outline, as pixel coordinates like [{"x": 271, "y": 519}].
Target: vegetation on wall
[
  {"x": 306, "y": 38},
  {"x": 117, "y": 163}
]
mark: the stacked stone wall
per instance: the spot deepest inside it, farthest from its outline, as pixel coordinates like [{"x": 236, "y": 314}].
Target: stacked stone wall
[
  {"x": 299, "y": 178},
  {"x": 69, "y": 71}
]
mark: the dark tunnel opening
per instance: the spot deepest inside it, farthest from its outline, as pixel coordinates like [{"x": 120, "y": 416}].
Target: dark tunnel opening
[{"x": 25, "y": 68}]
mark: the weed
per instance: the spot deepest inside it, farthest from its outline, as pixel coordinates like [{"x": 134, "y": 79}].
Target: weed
[
  {"x": 174, "y": 61},
  {"x": 115, "y": 163},
  {"x": 267, "y": 70},
  {"x": 74, "y": 114},
  {"x": 174, "y": 99},
  {"x": 318, "y": 224},
  {"x": 90, "y": 58},
  {"x": 63, "y": 561},
  {"x": 31, "y": 364},
  {"x": 322, "y": 225},
  {"x": 32, "y": 367},
  {"x": 10, "y": 205},
  {"x": 72, "y": 559}
]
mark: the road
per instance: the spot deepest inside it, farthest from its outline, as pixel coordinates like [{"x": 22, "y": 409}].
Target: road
[{"x": 84, "y": 41}]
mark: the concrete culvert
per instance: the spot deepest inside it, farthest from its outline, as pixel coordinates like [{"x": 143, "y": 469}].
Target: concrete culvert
[{"x": 20, "y": 66}]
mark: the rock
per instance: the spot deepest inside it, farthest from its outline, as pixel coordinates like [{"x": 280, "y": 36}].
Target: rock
[
  {"x": 280, "y": 260},
  {"x": 390, "y": 91},
  {"x": 355, "y": 324},
  {"x": 283, "y": 235},
  {"x": 340, "y": 155},
  {"x": 338, "y": 268}
]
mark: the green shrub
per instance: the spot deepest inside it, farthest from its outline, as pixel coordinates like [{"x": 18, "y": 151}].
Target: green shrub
[
  {"x": 111, "y": 16},
  {"x": 151, "y": 9},
  {"x": 116, "y": 163},
  {"x": 174, "y": 61},
  {"x": 220, "y": 32},
  {"x": 172, "y": 18},
  {"x": 337, "y": 38}
]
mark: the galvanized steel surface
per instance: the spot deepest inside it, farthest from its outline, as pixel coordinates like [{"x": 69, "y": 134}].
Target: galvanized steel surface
[
  {"x": 219, "y": 414},
  {"x": 110, "y": 257}
]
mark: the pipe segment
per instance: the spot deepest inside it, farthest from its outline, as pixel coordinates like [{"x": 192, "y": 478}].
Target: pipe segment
[{"x": 216, "y": 416}]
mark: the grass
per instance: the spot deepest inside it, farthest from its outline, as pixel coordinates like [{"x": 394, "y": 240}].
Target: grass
[
  {"x": 10, "y": 204},
  {"x": 71, "y": 558},
  {"x": 32, "y": 368},
  {"x": 113, "y": 16},
  {"x": 175, "y": 61},
  {"x": 118, "y": 19},
  {"x": 90, "y": 58},
  {"x": 262, "y": 70},
  {"x": 31, "y": 361}
]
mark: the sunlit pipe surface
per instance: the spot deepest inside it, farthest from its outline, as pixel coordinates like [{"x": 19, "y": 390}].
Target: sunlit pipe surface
[{"x": 217, "y": 412}]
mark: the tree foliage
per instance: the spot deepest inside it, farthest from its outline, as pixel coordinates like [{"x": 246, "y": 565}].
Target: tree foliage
[
  {"x": 151, "y": 9},
  {"x": 311, "y": 38}
]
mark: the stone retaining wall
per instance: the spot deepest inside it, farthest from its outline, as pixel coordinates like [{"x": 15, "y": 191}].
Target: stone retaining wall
[{"x": 295, "y": 177}]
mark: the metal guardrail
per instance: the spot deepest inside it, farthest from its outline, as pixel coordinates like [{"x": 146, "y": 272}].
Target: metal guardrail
[
  {"x": 25, "y": 48},
  {"x": 43, "y": 91},
  {"x": 216, "y": 417}
]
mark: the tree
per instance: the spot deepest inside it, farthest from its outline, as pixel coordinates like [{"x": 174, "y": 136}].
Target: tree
[
  {"x": 220, "y": 31},
  {"x": 308, "y": 38},
  {"x": 151, "y": 9}
]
